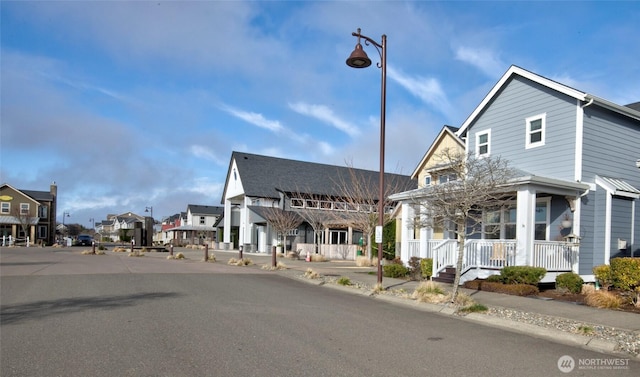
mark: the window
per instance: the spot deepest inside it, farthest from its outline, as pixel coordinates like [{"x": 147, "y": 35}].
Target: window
[
  {"x": 338, "y": 237},
  {"x": 203, "y": 221},
  {"x": 43, "y": 211},
  {"x": 427, "y": 180},
  {"x": 444, "y": 178},
  {"x": 5, "y": 208},
  {"x": 483, "y": 140},
  {"x": 500, "y": 224},
  {"x": 535, "y": 131},
  {"x": 42, "y": 231},
  {"x": 24, "y": 208},
  {"x": 297, "y": 203},
  {"x": 542, "y": 219}
]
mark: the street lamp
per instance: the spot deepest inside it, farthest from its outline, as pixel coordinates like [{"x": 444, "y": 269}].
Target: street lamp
[
  {"x": 359, "y": 59},
  {"x": 64, "y": 228},
  {"x": 146, "y": 209},
  {"x": 93, "y": 223}
]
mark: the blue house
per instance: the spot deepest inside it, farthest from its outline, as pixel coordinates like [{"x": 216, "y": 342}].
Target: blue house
[{"x": 577, "y": 197}]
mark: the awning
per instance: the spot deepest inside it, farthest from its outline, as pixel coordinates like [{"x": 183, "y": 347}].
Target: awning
[{"x": 618, "y": 187}]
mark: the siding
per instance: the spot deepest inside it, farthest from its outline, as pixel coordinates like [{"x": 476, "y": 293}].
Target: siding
[
  {"x": 620, "y": 225},
  {"x": 506, "y": 115},
  {"x": 611, "y": 146}
]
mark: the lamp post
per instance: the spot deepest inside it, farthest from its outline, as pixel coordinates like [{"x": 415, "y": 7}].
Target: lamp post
[
  {"x": 147, "y": 209},
  {"x": 93, "y": 223},
  {"x": 64, "y": 228},
  {"x": 359, "y": 59}
]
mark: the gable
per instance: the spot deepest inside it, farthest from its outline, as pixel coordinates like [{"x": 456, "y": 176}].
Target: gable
[{"x": 446, "y": 140}]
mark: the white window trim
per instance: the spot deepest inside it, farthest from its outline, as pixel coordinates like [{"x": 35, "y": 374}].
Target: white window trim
[
  {"x": 427, "y": 180},
  {"x": 25, "y": 208},
  {"x": 543, "y": 118},
  {"x": 478, "y": 134},
  {"x": 8, "y": 207}
]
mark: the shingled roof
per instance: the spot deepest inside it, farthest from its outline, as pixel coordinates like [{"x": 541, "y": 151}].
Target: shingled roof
[{"x": 264, "y": 176}]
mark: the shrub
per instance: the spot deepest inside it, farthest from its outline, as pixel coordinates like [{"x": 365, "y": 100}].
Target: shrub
[
  {"x": 569, "y": 281},
  {"x": 426, "y": 267},
  {"x": 603, "y": 275},
  {"x": 522, "y": 275},
  {"x": 474, "y": 308},
  {"x": 625, "y": 273},
  {"x": 279, "y": 266},
  {"x": 603, "y": 299},
  {"x": 510, "y": 289},
  {"x": 318, "y": 258},
  {"x": 311, "y": 274},
  {"x": 415, "y": 271},
  {"x": 494, "y": 279},
  {"x": 362, "y": 261},
  {"x": 429, "y": 291},
  {"x": 394, "y": 270},
  {"x": 343, "y": 280}
]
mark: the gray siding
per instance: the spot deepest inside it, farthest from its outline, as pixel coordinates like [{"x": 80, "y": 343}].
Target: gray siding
[
  {"x": 590, "y": 231},
  {"x": 611, "y": 146},
  {"x": 620, "y": 225},
  {"x": 506, "y": 116}
]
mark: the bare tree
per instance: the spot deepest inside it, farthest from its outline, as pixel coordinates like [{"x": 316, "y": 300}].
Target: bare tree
[
  {"x": 25, "y": 219},
  {"x": 475, "y": 185},
  {"x": 359, "y": 189},
  {"x": 282, "y": 222}
]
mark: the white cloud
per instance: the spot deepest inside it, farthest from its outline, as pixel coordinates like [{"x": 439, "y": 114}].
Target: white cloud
[
  {"x": 426, "y": 89},
  {"x": 326, "y": 115},
  {"x": 254, "y": 118},
  {"x": 206, "y": 154},
  {"x": 482, "y": 59}
]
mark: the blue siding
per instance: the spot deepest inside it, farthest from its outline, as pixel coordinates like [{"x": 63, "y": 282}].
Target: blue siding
[
  {"x": 611, "y": 146},
  {"x": 620, "y": 225},
  {"x": 592, "y": 231},
  {"x": 506, "y": 115}
]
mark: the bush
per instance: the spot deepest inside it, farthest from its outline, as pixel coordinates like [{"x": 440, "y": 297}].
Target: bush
[
  {"x": 414, "y": 268},
  {"x": 343, "y": 280},
  {"x": 625, "y": 273},
  {"x": 395, "y": 270},
  {"x": 603, "y": 275},
  {"x": 603, "y": 299},
  {"x": 495, "y": 279},
  {"x": 430, "y": 291},
  {"x": 569, "y": 281},
  {"x": 510, "y": 289},
  {"x": 426, "y": 267},
  {"x": 522, "y": 275}
]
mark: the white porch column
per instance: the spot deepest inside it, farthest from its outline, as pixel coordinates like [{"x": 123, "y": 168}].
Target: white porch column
[
  {"x": 525, "y": 228},
  {"x": 226, "y": 238},
  {"x": 404, "y": 232}
]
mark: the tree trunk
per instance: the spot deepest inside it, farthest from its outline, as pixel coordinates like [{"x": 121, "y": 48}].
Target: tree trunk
[{"x": 456, "y": 280}]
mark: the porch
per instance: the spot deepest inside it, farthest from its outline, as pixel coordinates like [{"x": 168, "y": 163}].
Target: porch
[{"x": 483, "y": 258}]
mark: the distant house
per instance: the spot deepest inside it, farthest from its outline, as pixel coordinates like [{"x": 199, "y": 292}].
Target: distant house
[
  {"x": 256, "y": 183},
  {"x": 28, "y": 213},
  {"x": 126, "y": 227},
  {"x": 196, "y": 226},
  {"x": 577, "y": 197}
]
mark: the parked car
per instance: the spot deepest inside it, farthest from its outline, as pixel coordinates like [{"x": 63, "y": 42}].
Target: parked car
[{"x": 84, "y": 240}]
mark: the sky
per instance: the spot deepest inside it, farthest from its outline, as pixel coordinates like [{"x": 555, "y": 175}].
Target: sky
[{"x": 128, "y": 105}]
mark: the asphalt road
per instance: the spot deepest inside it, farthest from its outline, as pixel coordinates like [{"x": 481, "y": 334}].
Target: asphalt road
[{"x": 208, "y": 319}]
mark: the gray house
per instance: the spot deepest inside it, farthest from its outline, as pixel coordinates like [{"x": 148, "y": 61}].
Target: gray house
[
  {"x": 577, "y": 199},
  {"x": 255, "y": 183}
]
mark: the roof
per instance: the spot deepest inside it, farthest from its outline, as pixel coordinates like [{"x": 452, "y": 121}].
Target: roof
[
  {"x": 205, "y": 210},
  {"x": 630, "y": 110},
  {"x": 618, "y": 187},
  {"x": 635, "y": 106},
  {"x": 265, "y": 177}
]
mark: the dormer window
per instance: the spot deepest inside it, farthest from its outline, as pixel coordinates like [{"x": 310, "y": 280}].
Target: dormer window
[
  {"x": 483, "y": 146},
  {"x": 535, "y": 131}
]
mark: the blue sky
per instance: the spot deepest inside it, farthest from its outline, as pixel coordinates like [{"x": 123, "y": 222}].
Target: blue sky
[{"x": 127, "y": 105}]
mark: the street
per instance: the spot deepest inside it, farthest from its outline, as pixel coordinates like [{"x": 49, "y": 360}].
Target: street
[{"x": 177, "y": 318}]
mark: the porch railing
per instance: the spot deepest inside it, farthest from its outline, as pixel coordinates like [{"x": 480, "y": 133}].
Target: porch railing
[
  {"x": 554, "y": 256},
  {"x": 496, "y": 254}
]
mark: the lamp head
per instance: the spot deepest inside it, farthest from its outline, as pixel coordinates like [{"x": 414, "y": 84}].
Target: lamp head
[{"x": 358, "y": 58}]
